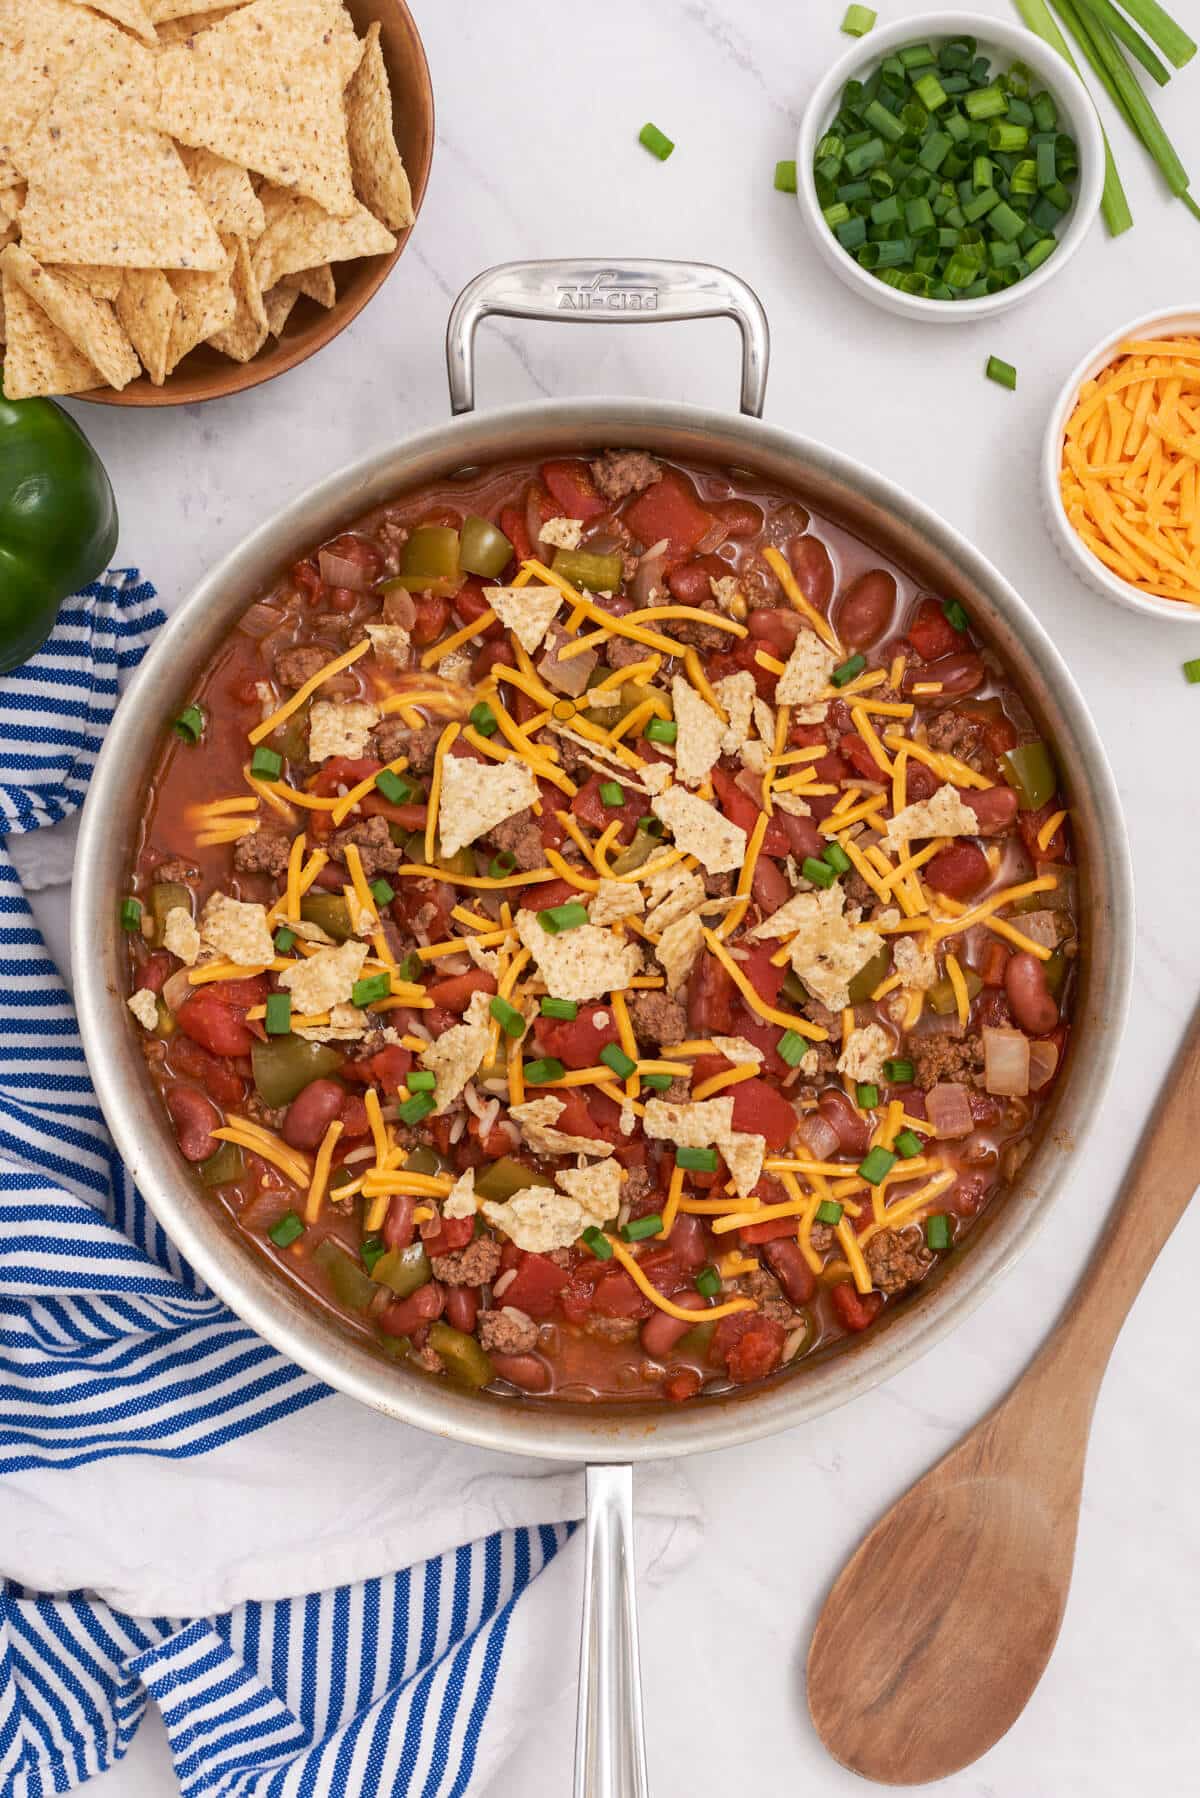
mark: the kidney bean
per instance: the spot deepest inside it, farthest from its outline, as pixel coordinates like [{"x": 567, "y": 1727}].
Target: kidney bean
[
  {"x": 343, "y": 599},
  {"x": 776, "y": 628},
  {"x": 687, "y": 1242},
  {"x": 853, "y": 1131},
  {"x": 681, "y": 1383},
  {"x": 462, "y": 1308},
  {"x": 803, "y": 836},
  {"x": 741, "y": 517},
  {"x": 153, "y": 972},
  {"x": 195, "y": 1118},
  {"x": 960, "y": 673},
  {"x": 311, "y": 1112},
  {"x": 787, "y": 1263},
  {"x": 689, "y": 582},
  {"x": 813, "y": 570},
  {"x": 995, "y": 809},
  {"x": 398, "y": 1226},
  {"x": 404, "y": 1316},
  {"x": 863, "y": 612},
  {"x": 492, "y": 655},
  {"x": 770, "y": 888},
  {"x": 960, "y": 871},
  {"x": 525, "y": 1371},
  {"x": 1032, "y": 1005},
  {"x": 660, "y": 1333}
]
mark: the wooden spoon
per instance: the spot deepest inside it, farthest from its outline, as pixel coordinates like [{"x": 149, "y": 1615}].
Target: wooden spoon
[{"x": 940, "y": 1626}]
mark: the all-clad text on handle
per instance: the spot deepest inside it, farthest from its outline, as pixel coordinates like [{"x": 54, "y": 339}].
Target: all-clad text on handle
[{"x": 640, "y": 291}]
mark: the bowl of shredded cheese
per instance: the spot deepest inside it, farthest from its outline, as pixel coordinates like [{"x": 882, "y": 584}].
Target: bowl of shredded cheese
[{"x": 1121, "y": 466}]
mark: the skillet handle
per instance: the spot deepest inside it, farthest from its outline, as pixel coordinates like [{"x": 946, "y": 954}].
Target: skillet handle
[
  {"x": 610, "y": 1743},
  {"x": 637, "y": 291}
]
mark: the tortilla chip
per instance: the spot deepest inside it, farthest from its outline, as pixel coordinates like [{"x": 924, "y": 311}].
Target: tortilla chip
[
  {"x": 315, "y": 283},
  {"x": 103, "y": 283},
  {"x": 278, "y": 304},
  {"x": 146, "y": 307},
  {"x": 206, "y": 304},
  {"x": 8, "y": 234},
  {"x": 375, "y": 162},
  {"x": 3, "y": 327},
  {"x": 108, "y": 189},
  {"x": 11, "y": 200},
  {"x": 38, "y": 358},
  {"x": 177, "y": 31},
  {"x": 264, "y": 89},
  {"x": 166, "y": 11},
  {"x": 299, "y": 235},
  {"x": 231, "y": 202},
  {"x": 89, "y": 323},
  {"x": 130, "y": 13},
  {"x": 42, "y": 42},
  {"x": 246, "y": 331}
]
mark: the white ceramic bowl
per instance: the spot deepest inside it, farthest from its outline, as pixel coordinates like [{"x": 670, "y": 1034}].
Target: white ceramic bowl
[
  {"x": 1004, "y": 44},
  {"x": 1181, "y": 321}
]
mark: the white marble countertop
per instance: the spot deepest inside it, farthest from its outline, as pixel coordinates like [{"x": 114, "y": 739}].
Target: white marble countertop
[{"x": 537, "y": 155}]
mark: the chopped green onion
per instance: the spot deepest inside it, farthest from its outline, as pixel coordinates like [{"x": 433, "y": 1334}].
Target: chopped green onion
[
  {"x": 708, "y": 1282},
  {"x": 858, "y": 20},
  {"x": 1191, "y": 672},
  {"x": 937, "y": 1231},
  {"x": 285, "y": 939},
  {"x": 639, "y": 1228},
  {"x": 700, "y": 1161},
  {"x": 828, "y": 1212},
  {"x": 954, "y": 613},
  {"x": 563, "y": 917},
  {"x": 907, "y": 1144},
  {"x": 792, "y": 1048},
  {"x": 898, "y": 1071},
  {"x": 661, "y": 730},
  {"x": 501, "y": 865},
  {"x": 785, "y": 177},
  {"x": 372, "y": 1249},
  {"x": 658, "y": 144},
  {"x": 595, "y": 1240},
  {"x": 837, "y": 858},
  {"x": 657, "y": 1082},
  {"x": 421, "y": 1080},
  {"x": 867, "y": 1094},
  {"x": 614, "y": 1057},
  {"x": 510, "y": 1020},
  {"x": 131, "y": 909},
  {"x": 266, "y": 764},
  {"x": 381, "y": 892},
  {"x": 540, "y": 1073},
  {"x": 287, "y": 1230},
  {"x": 612, "y": 792},
  {"x": 278, "y": 1020},
  {"x": 848, "y": 670},
  {"x": 416, "y": 1108},
  {"x": 395, "y": 789},
  {"x": 1003, "y": 373},
  {"x": 986, "y": 102},
  {"x": 190, "y": 724},
  {"x": 366, "y": 992},
  {"x": 484, "y": 719},
  {"x": 652, "y": 826},
  {"x": 411, "y": 968},
  {"x": 876, "y": 1164},
  {"x": 566, "y": 1009},
  {"x": 819, "y": 872}
]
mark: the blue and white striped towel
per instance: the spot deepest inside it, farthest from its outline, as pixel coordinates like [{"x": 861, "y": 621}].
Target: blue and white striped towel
[{"x": 158, "y": 1457}]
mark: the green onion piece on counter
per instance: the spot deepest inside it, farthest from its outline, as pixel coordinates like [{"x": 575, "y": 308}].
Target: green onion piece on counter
[
  {"x": 656, "y": 141},
  {"x": 566, "y": 1009},
  {"x": 785, "y": 177},
  {"x": 828, "y": 1212},
  {"x": 954, "y": 613},
  {"x": 792, "y": 1048},
  {"x": 937, "y": 1231},
  {"x": 381, "y": 892},
  {"x": 563, "y": 917},
  {"x": 708, "y": 1282},
  {"x": 421, "y": 1080},
  {"x": 898, "y": 1071},
  {"x": 595, "y": 1240},
  {"x": 416, "y": 1108},
  {"x": 1003, "y": 373},
  {"x": 614, "y": 1057},
  {"x": 699, "y": 1161},
  {"x": 867, "y": 1095},
  {"x": 483, "y": 549},
  {"x": 510, "y": 1020},
  {"x": 131, "y": 909},
  {"x": 858, "y": 20},
  {"x": 286, "y": 1231},
  {"x": 819, "y": 872},
  {"x": 657, "y": 1082},
  {"x": 848, "y": 670},
  {"x": 876, "y": 1164},
  {"x": 266, "y": 764},
  {"x": 484, "y": 719},
  {"x": 612, "y": 792},
  {"x": 661, "y": 730},
  {"x": 501, "y": 865},
  {"x": 375, "y": 986},
  {"x": 285, "y": 939},
  {"x": 1191, "y": 672},
  {"x": 837, "y": 858},
  {"x": 278, "y": 1020},
  {"x": 395, "y": 789},
  {"x": 190, "y": 724},
  {"x": 1161, "y": 28},
  {"x": 541, "y": 1073},
  {"x": 371, "y": 1249},
  {"x": 907, "y": 1144},
  {"x": 639, "y": 1228}
]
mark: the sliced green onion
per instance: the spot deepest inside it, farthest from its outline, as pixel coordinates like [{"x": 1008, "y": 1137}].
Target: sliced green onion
[
  {"x": 1003, "y": 373},
  {"x": 930, "y": 92},
  {"x": 382, "y": 892},
  {"x": 837, "y": 858},
  {"x": 656, "y": 141},
  {"x": 566, "y": 1009},
  {"x": 284, "y": 940},
  {"x": 614, "y": 1057},
  {"x": 661, "y": 730},
  {"x": 1191, "y": 671},
  {"x": 278, "y": 1020},
  {"x": 639, "y": 1228},
  {"x": 819, "y": 872},
  {"x": 131, "y": 909},
  {"x": 867, "y": 1095},
  {"x": 289, "y": 1228},
  {"x": 412, "y": 968},
  {"x": 595, "y": 1240},
  {"x": 510, "y": 1020},
  {"x": 484, "y": 719},
  {"x": 652, "y": 826},
  {"x": 908, "y": 1144},
  {"x": 898, "y": 1071},
  {"x": 395, "y": 789},
  {"x": 955, "y": 614},
  {"x": 563, "y": 917},
  {"x": 708, "y": 1282},
  {"x": 828, "y": 1212},
  {"x": 986, "y": 102},
  {"x": 421, "y": 1080},
  {"x": 937, "y": 1231},
  {"x": 190, "y": 724},
  {"x": 700, "y": 1161},
  {"x": 876, "y": 1164},
  {"x": 612, "y": 792},
  {"x": 858, "y": 21},
  {"x": 501, "y": 865},
  {"x": 792, "y": 1048},
  {"x": 847, "y": 671},
  {"x": 540, "y": 1073},
  {"x": 375, "y": 986},
  {"x": 414, "y": 1109},
  {"x": 266, "y": 764},
  {"x": 657, "y": 1082},
  {"x": 372, "y": 1249},
  {"x": 785, "y": 177}
]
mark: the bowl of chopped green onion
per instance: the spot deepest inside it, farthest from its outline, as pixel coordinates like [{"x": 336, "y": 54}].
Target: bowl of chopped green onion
[{"x": 948, "y": 165}]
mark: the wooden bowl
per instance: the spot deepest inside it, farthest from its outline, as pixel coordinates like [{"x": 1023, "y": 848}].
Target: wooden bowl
[{"x": 204, "y": 374}]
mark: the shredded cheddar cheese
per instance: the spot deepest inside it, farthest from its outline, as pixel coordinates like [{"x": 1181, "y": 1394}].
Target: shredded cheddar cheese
[
  {"x": 787, "y": 580},
  {"x": 298, "y": 698},
  {"x": 710, "y": 1315}
]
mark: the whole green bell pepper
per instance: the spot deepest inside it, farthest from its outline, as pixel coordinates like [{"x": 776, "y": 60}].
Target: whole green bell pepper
[{"x": 58, "y": 521}]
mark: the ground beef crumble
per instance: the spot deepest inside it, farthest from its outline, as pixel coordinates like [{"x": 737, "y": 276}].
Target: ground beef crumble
[
  {"x": 618, "y": 473},
  {"x": 476, "y": 1265},
  {"x": 295, "y": 666},
  {"x": 623, "y": 652},
  {"x": 657, "y": 1019},
  {"x": 951, "y": 1058},
  {"x": 897, "y": 1258},
  {"x": 176, "y": 868},
  {"x": 393, "y": 738},
  {"x": 266, "y": 852},
  {"x": 520, "y": 837},
  {"x": 765, "y": 1289},
  {"x": 507, "y": 1332},
  {"x": 957, "y": 733},
  {"x": 376, "y": 849},
  {"x": 612, "y": 1329}
]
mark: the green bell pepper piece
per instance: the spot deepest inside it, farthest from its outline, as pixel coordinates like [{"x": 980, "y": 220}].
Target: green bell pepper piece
[
  {"x": 465, "y": 1361},
  {"x": 1030, "y": 770},
  {"x": 484, "y": 549},
  {"x": 223, "y": 1168},
  {"x": 165, "y": 896},
  {"x": 594, "y": 574},
  {"x": 330, "y": 911},
  {"x": 643, "y": 848},
  {"x": 1055, "y": 971},
  {"x": 426, "y": 1160},
  {"x": 352, "y": 1287},
  {"x": 868, "y": 977},
  {"x": 431, "y": 553},
  {"x": 941, "y": 997},
  {"x": 285, "y": 1065},
  {"x": 506, "y": 1176},
  {"x": 403, "y": 1270},
  {"x": 58, "y": 521}
]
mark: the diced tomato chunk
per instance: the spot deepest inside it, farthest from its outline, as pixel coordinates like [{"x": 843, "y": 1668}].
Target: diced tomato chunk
[
  {"x": 615, "y": 1295},
  {"x": 577, "y": 1041},
  {"x": 681, "y": 1383},
  {"x": 219, "y": 1028},
  {"x": 385, "y": 1069},
  {"x": 743, "y": 811},
  {"x": 748, "y": 1345},
  {"x": 456, "y": 991},
  {"x": 573, "y": 490},
  {"x": 591, "y": 810},
  {"x": 153, "y": 972},
  {"x": 590, "y": 1115},
  {"x": 448, "y": 1234},
  {"x": 512, "y": 523},
  {"x": 353, "y": 1115},
  {"x": 931, "y": 632},
  {"x": 471, "y": 602},
  {"x": 856, "y": 1310},
  {"x": 669, "y": 510},
  {"x": 1030, "y": 825},
  {"x": 711, "y": 998},
  {"x": 431, "y": 615},
  {"x": 760, "y": 1109},
  {"x": 342, "y": 771}
]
